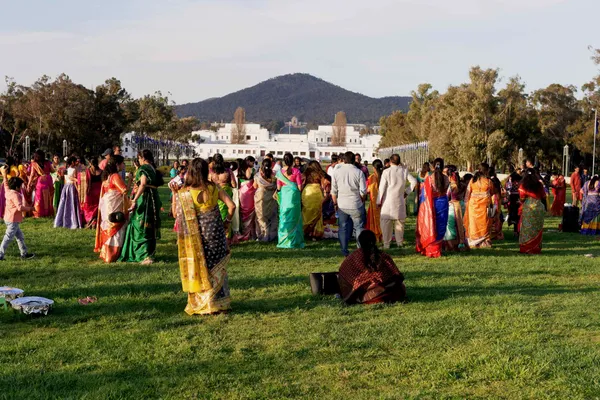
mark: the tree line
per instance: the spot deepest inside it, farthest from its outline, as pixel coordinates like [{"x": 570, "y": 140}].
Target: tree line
[
  {"x": 90, "y": 120},
  {"x": 475, "y": 122}
]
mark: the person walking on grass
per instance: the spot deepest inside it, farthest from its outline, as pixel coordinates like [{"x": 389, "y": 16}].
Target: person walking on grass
[
  {"x": 13, "y": 215},
  {"x": 391, "y": 199},
  {"x": 349, "y": 191}
]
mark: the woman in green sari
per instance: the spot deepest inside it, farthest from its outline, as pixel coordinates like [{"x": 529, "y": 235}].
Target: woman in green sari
[
  {"x": 289, "y": 186},
  {"x": 224, "y": 179},
  {"x": 144, "y": 214}
]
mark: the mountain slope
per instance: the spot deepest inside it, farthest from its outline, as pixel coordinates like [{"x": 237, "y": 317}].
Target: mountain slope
[{"x": 309, "y": 98}]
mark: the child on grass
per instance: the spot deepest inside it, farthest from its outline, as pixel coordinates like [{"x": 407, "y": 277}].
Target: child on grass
[{"x": 13, "y": 215}]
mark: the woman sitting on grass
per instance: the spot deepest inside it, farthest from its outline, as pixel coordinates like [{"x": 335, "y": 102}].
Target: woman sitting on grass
[
  {"x": 203, "y": 252},
  {"x": 368, "y": 276}
]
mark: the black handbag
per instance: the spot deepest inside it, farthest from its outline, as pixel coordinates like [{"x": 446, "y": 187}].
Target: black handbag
[{"x": 116, "y": 217}]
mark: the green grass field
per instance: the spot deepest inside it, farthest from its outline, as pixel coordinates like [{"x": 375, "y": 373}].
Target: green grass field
[{"x": 486, "y": 324}]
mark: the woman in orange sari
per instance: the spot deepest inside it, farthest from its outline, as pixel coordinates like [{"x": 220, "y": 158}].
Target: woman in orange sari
[
  {"x": 478, "y": 222},
  {"x": 559, "y": 191},
  {"x": 533, "y": 198},
  {"x": 374, "y": 212},
  {"x": 41, "y": 185},
  {"x": 112, "y": 212}
]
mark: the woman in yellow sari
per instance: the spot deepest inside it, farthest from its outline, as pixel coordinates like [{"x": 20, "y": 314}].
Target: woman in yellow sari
[
  {"x": 478, "y": 221},
  {"x": 312, "y": 201},
  {"x": 374, "y": 212},
  {"x": 203, "y": 251}
]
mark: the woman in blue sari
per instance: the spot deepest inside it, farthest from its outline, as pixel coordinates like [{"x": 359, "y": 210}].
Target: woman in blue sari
[
  {"x": 432, "y": 219},
  {"x": 289, "y": 187}
]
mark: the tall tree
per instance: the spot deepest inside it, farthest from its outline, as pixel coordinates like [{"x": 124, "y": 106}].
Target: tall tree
[
  {"x": 338, "y": 137},
  {"x": 238, "y": 132}
]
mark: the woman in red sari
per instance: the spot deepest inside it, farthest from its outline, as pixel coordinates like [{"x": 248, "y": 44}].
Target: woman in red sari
[
  {"x": 41, "y": 185},
  {"x": 93, "y": 176},
  {"x": 531, "y": 226},
  {"x": 432, "y": 219},
  {"x": 559, "y": 191},
  {"x": 368, "y": 276}
]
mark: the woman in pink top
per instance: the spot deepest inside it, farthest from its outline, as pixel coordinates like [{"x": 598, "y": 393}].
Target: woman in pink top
[
  {"x": 13, "y": 215},
  {"x": 289, "y": 187}
]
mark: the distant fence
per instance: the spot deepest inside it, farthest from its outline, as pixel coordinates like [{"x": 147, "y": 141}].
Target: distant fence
[{"x": 413, "y": 155}]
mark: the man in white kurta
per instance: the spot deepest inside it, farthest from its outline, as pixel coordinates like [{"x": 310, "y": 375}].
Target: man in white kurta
[{"x": 391, "y": 199}]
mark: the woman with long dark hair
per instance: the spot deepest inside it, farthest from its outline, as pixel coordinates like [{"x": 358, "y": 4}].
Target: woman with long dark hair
[
  {"x": 58, "y": 180},
  {"x": 374, "y": 212},
  {"x": 289, "y": 186},
  {"x": 454, "y": 239},
  {"x": 92, "y": 195},
  {"x": 369, "y": 276},
  {"x": 432, "y": 219},
  {"x": 312, "y": 201},
  {"x": 68, "y": 214},
  {"x": 498, "y": 217},
  {"x": 559, "y": 192},
  {"x": 222, "y": 176},
  {"x": 203, "y": 251},
  {"x": 531, "y": 226},
  {"x": 112, "y": 211},
  {"x": 590, "y": 210},
  {"x": 144, "y": 213},
  {"x": 514, "y": 200},
  {"x": 245, "y": 177},
  {"x": 478, "y": 216},
  {"x": 421, "y": 176},
  {"x": 265, "y": 184},
  {"x": 40, "y": 183}
]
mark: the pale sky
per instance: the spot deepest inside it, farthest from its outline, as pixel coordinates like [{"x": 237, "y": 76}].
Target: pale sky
[{"x": 207, "y": 48}]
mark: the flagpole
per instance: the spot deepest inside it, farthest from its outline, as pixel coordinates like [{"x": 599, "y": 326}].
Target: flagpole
[{"x": 595, "y": 134}]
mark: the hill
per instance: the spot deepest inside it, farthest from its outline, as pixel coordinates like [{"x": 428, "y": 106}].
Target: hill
[{"x": 309, "y": 98}]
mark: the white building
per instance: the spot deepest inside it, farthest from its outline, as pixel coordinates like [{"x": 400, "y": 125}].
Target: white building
[
  {"x": 316, "y": 144},
  {"x": 259, "y": 142}
]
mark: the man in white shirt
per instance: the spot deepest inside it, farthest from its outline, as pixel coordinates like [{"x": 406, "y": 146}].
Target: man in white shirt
[
  {"x": 349, "y": 191},
  {"x": 391, "y": 199}
]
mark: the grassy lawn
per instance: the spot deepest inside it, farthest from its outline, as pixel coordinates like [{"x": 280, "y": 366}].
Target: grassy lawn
[{"x": 486, "y": 324}]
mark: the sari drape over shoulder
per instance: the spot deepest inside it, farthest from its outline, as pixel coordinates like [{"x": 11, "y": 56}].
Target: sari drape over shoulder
[
  {"x": 590, "y": 213},
  {"x": 41, "y": 182},
  {"x": 531, "y": 225},
  {"x": 143, "y": 229},
  {"x": 312, "y": 210},
  {"x": 111, "y": 235},
  {"x": 92, "y": 196},
  {"x": 455, "y": 239},
  {"x": 266, "y": 209},
  {"x": 374, "y": 212},
  {"x": 203, "y": 252},
  {"x": 478, "y": 224},
  {"x": 290, "y": 232},
  {"x": 361, "y": 285},
  {"x": 432, "y": 220},
  {"x": 559, "y": 191},
  {"x": 247, "y": 210}
]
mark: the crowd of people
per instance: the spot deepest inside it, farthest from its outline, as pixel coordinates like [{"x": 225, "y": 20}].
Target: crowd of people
[{"x": 217, "y": 204}]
